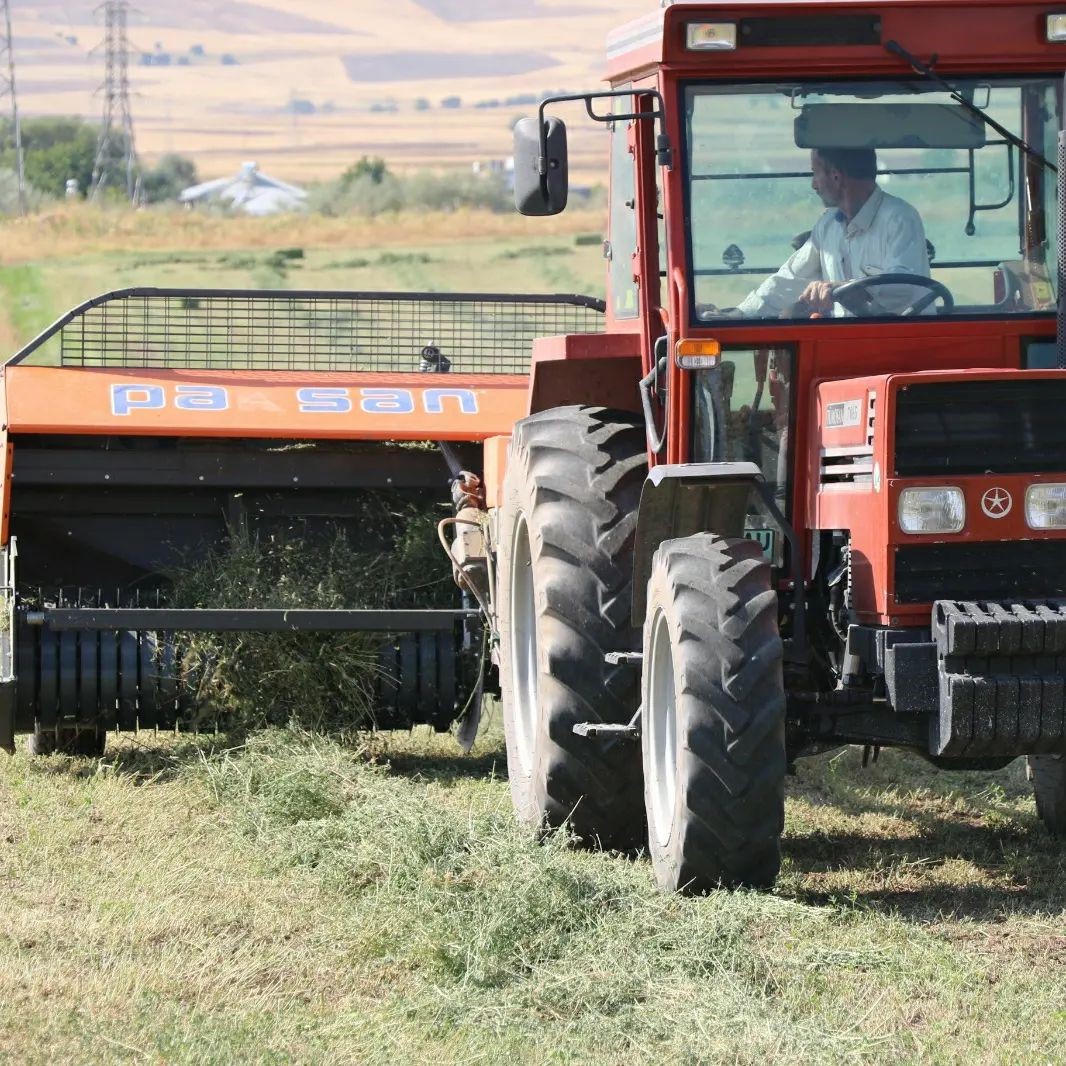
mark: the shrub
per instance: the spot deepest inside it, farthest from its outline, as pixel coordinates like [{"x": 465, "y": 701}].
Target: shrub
[
  {"x": 369, "y": 188},
  {"x": 9, "y": 193},
  {"x": 55, "y": 150},
  {"x": 168, "y": 178}
]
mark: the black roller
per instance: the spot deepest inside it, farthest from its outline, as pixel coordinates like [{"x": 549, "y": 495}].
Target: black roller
[
  {"x": 428, "y": 658},
  {"x": 89, "y": 678},
  {"x": 68, "y": 676},
  {"x": 128, "y": 655},
  {"x": 447, "y": 664},
  {"x": 167, "y": 671},
  {"x": 388, "y": 684},
  {"x": 407, "y": 704},
  {"x": 48, "y": 685},
  {"x": 28, "y": 679},
  {"x": 130, "y": 680},
  {"x": 147, "y": 680},
  {"x": 109, "y": 680}
]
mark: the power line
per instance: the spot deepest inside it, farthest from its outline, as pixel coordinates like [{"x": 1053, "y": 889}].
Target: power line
[
  {"x": 7, "y": 88},
  {"x": 117, "y": 113}
]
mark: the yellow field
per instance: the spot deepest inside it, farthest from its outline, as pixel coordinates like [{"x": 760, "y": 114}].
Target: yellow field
[
  {"x": 344, "y": 58},
  {"x": 68, "y": 231}
]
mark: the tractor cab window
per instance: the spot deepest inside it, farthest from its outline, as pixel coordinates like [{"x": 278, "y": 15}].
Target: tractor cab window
[
  {"x": 871, "y": 199},
  {"x": 622, "y": 242}
]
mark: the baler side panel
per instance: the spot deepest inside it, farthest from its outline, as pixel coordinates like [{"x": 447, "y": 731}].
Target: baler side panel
[{"x": 241, "y": 404}]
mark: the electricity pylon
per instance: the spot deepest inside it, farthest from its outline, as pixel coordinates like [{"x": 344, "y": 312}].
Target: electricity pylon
[
  {"x": 7, "y": 88},
  {"x": 117, "y": 114}
]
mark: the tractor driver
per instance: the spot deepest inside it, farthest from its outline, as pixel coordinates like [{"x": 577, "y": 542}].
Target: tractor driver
[{"x": 865, "y": 231}]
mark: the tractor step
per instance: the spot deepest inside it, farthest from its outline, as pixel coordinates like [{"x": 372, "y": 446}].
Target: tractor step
[
  {"x": 611, "y": 730},
  {"x": 624, "y": 658},
  {"x": 606, "y": 729}
]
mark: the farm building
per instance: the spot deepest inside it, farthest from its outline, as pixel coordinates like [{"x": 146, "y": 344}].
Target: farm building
[{"x": 250, "y": 191}]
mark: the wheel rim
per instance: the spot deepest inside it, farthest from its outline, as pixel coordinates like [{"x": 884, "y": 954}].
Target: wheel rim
[
  {"x": 661, "y": 732},
  {"x": 523, "y": 646}
]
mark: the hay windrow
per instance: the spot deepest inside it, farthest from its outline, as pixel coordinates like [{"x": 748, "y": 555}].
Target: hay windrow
[{"x": 317, "y": 681}]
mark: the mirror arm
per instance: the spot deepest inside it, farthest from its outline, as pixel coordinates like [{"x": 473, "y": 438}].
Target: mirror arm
[{"x": 663, "y": 149}]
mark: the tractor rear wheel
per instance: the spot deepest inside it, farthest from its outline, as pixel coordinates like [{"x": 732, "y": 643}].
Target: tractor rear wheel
[
  {"x": 1048, "y": 774},
  {"x": 714, "y": 716},
  {"x": 565, "y": 565}
]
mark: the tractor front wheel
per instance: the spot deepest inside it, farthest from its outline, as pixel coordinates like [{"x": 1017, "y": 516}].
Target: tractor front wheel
[
  {"x": 1048, "y": 774},
  {"x": 713, "y": 716}
]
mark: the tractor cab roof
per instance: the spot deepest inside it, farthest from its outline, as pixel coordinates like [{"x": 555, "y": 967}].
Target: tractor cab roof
[{"x": 796, "y": 38}]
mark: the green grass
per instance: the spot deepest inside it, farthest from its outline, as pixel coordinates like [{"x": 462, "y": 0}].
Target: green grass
[
  {"x": 296, "y": 900},
  {"x": 27, "y": 302}
]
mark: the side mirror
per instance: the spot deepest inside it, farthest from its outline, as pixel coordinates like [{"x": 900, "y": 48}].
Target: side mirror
[{"x": 536, "y": 193}]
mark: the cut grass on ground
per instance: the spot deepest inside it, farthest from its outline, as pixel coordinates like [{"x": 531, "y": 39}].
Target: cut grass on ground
[{"x": 298, "y": 900}]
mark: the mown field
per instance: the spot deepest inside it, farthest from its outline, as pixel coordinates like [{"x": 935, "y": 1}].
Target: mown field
[
  {"x": 299, "y": 900},
  {"x": 288, "y": 898},
  {"x": 50, "y": 263}
]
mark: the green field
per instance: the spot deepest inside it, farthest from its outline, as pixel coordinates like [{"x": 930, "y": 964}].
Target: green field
[
  {"x": 35, "y": 292},
  {"x": 293, "y": 899}
]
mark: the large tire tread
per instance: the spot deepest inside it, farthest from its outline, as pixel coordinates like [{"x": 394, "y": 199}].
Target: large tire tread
[
  {"x": 576, "y": 474},
  {"x": 1048, "y": 774},
  {"x": 727, "y": 653}
]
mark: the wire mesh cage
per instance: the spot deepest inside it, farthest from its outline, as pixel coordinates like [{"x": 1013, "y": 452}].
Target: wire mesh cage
[{"x": 473, "y": 333}]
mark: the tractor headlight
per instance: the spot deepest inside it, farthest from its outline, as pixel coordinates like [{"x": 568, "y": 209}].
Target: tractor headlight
[
  {"x": 1045, "y": 507},
  {"x": 935, "y": 510}
]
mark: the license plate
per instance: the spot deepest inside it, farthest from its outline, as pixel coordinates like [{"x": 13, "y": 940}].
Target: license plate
[{"x": 766, "y": 538}]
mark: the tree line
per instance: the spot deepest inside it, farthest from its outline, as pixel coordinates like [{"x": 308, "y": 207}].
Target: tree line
[{"x": 60, "y": 149}]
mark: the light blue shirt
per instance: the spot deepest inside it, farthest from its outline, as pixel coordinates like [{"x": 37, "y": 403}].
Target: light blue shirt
[{"x": 885, "y": 237}]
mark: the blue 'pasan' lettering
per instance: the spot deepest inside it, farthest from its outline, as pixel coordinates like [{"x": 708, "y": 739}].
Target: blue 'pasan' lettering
[
  {"x": 433, "y": 399},
  {"x": 387, "y": 402},
  {"x": 127, "y": 398},
  {"x": 200, "y": 398},
  {"x": 323, "y": 401}
]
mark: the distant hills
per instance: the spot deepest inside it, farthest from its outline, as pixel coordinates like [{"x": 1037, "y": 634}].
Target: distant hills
[{"x": 306, "y": 86}]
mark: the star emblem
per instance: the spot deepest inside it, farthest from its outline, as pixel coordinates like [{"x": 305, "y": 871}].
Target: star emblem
[{"x": 996, "y": 503}]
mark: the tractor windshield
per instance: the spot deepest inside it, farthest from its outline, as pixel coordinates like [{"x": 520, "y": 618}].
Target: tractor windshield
[{"x": 825, "y": 200}]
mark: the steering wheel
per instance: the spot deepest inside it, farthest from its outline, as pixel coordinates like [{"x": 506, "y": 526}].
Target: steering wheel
[{"x": 854, "y": 296}]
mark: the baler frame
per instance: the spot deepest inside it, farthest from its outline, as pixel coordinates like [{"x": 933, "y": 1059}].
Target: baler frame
[{"x": 110, "y": 415}]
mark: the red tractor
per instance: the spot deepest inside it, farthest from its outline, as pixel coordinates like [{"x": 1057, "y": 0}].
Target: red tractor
[{"x": 804, "y": 491}]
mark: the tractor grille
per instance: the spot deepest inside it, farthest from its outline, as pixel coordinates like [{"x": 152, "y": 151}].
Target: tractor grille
[
  {"x": 1003, "y": 427},
  {"x": 201, "y": 329},
  {"x": 993, "y": 570}
]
